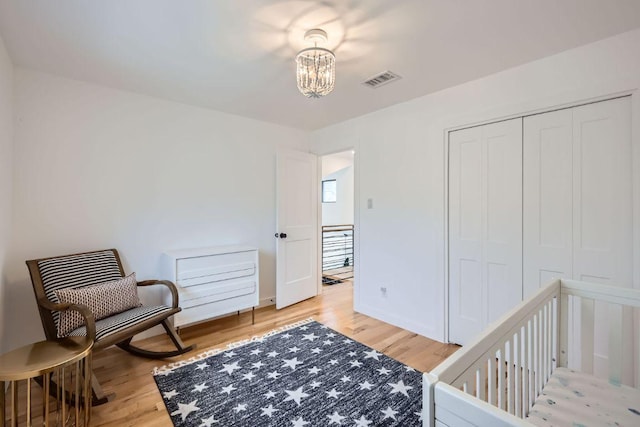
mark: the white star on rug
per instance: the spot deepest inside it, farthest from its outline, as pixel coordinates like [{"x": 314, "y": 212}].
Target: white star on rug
[
  {"x": 304, "y": 328},
  {"x": 335, "y": 418},
  {"x": 331, "y": 335},
  {"x": 207, "y": 422},
  {"x": 362, "y": 422},
  {"x": 347, "y": 341},
  {"x": 184, "y": 410},
  {"x": 400, "y": 387},
  {"x": 314, "y": 370},
  {"x": 315, "y": 384},
  {"x": 294, "y": 349},
  {"x": 230, "y": 354},
  {"x": 249, "y": 376},
  {"x": 274, "y": 375},
  {"x": 333, "y": 393},
  {"x": 201, "y": 366},
  {"x": 345, "y": 379},
  {"x": 229, "y": 367},
  {"x": 268, "y": 411},
  {"x": 327, "y": 342},
  {"x": 366, "y": 385},
  {"x": 272, "y": 354},
  {"x": 383, "y": 371},
  {"x": 389, "y": 413},
  {"x": 285, "y": 336},
  {"x": 409, "y": 369},
  {"x": 309, "y": 337},
  {"x": 419, "y": 414},
  {"x": 372, "y": 354},
  {"x": 352, "y": 354},
  {"x": 170, "y": 394},
  {"x": 228, "y": 389},
  {"x": 299, "y": 422},
  {"x": 291, "y": 363},
  {"x": 200, "y": 387},
  {"x": 316, "y": 350},
  {"x": 256, "y": 352},
  {"x": 241, "y": 407},
  {"x": 333, "y": 362},
  {"x": 269, "y": 395},
  {"x": 296, "y": 395},
  {"x": 355, "y": 363},
  {"x": 257, "y": 365}
]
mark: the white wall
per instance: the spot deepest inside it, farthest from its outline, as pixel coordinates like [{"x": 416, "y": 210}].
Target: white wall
[
  {"x": 340, "y": 169},
  {"x": 100, "y": 168},
  {"x": 6, "y": 177},
  {"x": 400, "y": 165}
]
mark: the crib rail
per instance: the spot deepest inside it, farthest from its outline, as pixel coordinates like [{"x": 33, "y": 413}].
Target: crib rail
[{"x": 496, "y": 379}]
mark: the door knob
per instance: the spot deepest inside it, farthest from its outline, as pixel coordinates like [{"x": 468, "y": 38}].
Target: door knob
[{"x": 283, "y": 235}]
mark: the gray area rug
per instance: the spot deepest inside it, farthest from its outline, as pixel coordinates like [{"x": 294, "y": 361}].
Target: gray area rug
[{"x": 300, "y": 375}]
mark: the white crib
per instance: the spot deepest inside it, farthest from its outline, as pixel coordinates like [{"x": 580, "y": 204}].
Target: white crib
[{"x": 497, "y": 379}]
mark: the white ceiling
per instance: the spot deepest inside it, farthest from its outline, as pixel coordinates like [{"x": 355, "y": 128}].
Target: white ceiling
[{"x": 237, "y": 56}]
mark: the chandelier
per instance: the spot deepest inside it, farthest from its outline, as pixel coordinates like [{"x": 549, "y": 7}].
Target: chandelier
[{"x": 316, "y": 67}]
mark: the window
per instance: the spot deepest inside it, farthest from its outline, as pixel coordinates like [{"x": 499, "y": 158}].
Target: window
[{"x": 329, "y": 191}]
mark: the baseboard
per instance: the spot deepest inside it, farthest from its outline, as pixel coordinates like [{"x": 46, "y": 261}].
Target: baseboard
[{"x": 400, "y": 322}]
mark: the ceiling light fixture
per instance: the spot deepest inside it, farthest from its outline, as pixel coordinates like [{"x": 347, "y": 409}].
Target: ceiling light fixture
[{"x": 316, "y": 66}]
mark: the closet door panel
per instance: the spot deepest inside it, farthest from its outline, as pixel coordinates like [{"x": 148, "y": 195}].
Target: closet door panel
[
  {"x": 485, "y": 225},
  {"x": 502, "y": 223},
  {"x": 465, "y": 233},
  {"x": 547, "y": 201},
  {"x": 602, "y": 209},
  {"x": 602, "y": 195}
]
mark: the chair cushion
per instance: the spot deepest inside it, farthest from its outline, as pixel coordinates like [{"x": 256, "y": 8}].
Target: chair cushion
[
  {"x": 121, "y": 321},
  {"x": 104, "y": 300}
]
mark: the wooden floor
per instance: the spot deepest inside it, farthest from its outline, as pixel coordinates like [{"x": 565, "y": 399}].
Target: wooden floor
[{"x": 138, "y": 402}]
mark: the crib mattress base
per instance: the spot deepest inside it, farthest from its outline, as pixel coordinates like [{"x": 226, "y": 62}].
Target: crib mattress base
[{"x": 573, "y": 398}]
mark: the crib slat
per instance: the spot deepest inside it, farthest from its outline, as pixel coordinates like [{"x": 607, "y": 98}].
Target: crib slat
[
  {"x": 501, "y": 400},
  {"x": 517, "y": 354},
  {"x": 549, "y": 340},
  {"x": 586, "y": 335},
  {"x": 480, "y": 381},
  {"x": 491, "y": 383},
  {"x": 525, "y": 370},
  {"x": 545, "y": 349},
  {"x": 510, "y": 376},
  {"x": 539, "y": 362},
  {"x": 563, "y": 338},
  {"x": 615, "y": 344}
]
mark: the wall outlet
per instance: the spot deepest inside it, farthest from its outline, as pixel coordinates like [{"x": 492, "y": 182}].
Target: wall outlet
[
  {"x": 369, "y": 203},
  {"x": 383, "y": 291}
]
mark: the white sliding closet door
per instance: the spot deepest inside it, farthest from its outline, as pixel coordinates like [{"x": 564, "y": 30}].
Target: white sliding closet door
[
  {"x": 577, "y": 195},
  {"x": 602, "y": 194},
  {"x": 548, "y": 199},
  {"x": 578, "y": 213},
  {"x": 485, "y": 225}
]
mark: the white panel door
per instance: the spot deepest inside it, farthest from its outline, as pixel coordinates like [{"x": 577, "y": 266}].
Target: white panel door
[
  {"x": 547, "y": 199},
  {"x": 297, "y": 227},
  {"x": 602, "y": 213},
  {"x": 485, "y": 225},
  {"x": 602, "y": 194}
]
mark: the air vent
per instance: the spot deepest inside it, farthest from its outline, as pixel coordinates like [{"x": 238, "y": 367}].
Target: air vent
[{"x": 381, "y": 79}]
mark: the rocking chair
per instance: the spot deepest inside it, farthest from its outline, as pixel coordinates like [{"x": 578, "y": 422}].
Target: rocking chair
[{"x": 76, "y": 272}]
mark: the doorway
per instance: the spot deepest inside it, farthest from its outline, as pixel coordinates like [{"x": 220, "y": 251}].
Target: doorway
[{"x": 337, "y": 219}]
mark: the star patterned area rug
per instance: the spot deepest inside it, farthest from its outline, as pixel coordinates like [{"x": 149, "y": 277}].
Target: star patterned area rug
[{"x": 300, "y": 375}]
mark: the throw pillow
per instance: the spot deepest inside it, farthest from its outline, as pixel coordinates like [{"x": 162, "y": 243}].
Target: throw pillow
[{"x": 104, "y": 300}]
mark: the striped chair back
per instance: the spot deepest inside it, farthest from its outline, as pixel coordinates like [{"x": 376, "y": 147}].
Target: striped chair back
[{"x": 71, "y": 271}]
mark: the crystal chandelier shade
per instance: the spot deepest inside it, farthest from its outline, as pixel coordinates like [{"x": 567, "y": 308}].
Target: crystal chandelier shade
[{"x": 316, "y": 68}]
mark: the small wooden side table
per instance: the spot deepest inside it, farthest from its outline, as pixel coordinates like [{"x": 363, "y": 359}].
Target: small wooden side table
[{"x": 63, "y": 367}]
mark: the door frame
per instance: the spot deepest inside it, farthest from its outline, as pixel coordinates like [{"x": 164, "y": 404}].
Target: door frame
[{"x": 356, "y": 219}]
